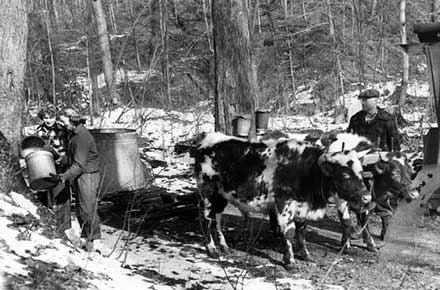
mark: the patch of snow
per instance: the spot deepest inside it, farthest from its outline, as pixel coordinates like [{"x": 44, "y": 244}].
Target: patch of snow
[{"x": 25, "y": 203}]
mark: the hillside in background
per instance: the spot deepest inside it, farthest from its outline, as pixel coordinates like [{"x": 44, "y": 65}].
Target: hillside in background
[{"x": 296, "y": 48}]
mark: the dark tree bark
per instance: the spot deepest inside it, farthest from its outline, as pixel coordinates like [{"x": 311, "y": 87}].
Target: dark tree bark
[{"x": 235, "y": 80}]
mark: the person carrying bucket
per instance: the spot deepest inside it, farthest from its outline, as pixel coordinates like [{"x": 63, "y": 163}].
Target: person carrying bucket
[
  {"x": 83, "y": 171},
  {"x": 55, "y": 137}
]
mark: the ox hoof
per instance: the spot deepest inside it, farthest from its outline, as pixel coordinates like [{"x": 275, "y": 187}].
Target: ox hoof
[
  {"x": 213, "y": 253},
  {"x": 372, "y": 249},
  {"x": 225, "y": 250},
  {"x": 290, "y": 266},
  {"x": 305, "y": 256},
  {"x": 380, "y": 244},
  {"x": 346, "y": 250}
]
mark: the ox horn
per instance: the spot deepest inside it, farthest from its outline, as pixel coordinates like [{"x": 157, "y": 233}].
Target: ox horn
[
  {"x": 361, "y": 154},
  {"x": 323, "y": 158},
  {"x": 378, "y": 169},
  {"x": 383, "y": 156}
]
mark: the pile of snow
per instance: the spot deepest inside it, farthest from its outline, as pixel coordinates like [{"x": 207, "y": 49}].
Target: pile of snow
[
  {"x": 19, "y": 243},
  {"x": 125, "y": 257}
]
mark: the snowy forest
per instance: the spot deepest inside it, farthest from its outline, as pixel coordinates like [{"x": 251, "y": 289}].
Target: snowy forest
[{"x": 168, "y": 70}]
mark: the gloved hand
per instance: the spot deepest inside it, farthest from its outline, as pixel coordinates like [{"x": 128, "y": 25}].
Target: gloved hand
[
  {"x": 62, "y": 177},
  {"x": 59, "y": 177}
]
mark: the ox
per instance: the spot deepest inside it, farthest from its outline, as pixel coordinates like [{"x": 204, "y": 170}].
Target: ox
[
  {"x": 294, "y": 179},
  {"x": 389, "y": 182}
]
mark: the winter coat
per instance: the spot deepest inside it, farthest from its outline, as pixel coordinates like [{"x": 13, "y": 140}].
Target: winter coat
[{"x": 381, "y": 130}]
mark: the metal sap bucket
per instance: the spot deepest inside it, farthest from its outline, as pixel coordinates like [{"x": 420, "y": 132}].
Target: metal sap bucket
[
  {"x": 430, "y": 146},
  {"x": 121, "y": 166},
  {"x": 261, "y": 121},
  {"x": 30, "y": 144},
  {"x": 41, "y": 167},
  {"x": 241, "y": 126}
]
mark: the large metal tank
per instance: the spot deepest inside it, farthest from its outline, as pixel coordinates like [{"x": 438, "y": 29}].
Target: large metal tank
[{"x": 121, "y": 166}]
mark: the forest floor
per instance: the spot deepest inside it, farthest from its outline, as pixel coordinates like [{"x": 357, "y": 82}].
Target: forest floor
[{"x": 154, "y": 241}]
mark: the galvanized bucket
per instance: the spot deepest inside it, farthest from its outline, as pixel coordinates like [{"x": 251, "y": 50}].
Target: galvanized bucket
[
  {"x": 30, "y": 144},
  {"x": 241, "y": 126},
  {"x": 41, "y": 168},
  {"x": 261, "y": 121}
]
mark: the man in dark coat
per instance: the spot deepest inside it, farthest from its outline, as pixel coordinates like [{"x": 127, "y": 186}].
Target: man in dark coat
[
  {"x": 379, "y": 127},
  {"x": 83, "y": 171},
  {"x": 375, "y": 123}
]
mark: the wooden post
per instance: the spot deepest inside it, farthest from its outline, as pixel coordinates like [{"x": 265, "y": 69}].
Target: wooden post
[
  {"x": 432, "y": 52},
  {"x": 428, "y": 34}
]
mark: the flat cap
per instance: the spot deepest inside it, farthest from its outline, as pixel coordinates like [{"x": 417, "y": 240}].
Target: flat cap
[
  {"x": 368, "y": 94},
  {"x": 72, "y": 114}
]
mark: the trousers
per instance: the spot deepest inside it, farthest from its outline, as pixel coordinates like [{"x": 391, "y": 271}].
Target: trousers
[{"x": 86, "y": 194}]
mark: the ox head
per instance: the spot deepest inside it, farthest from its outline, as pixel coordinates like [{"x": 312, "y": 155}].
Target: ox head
[
  {"x": 392, "y": 176},
  {"x": 344, "y": 170},
  {"x": 336, "y": 142}
]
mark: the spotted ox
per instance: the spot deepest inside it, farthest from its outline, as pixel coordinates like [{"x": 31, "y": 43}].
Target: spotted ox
[
  {"x": 294, "y": 179},
  {"x": 389, "y": 182}
]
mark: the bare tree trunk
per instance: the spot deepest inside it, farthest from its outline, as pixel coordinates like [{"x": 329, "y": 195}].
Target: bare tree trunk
[
  {"x": 373, "y": 8},
  {"x": 89, "y": 76},
  {"x": 104, "y": 46},
  {"x": 13, "y": 31},
  {"x": 292, "y": 75},
  {"x": 208, "y": 27},
  {"x": 113, "y": 17},
  {"x": 435, "y": 11},
  {"x": 138, "y": 59},
  {"x": 49, "y": 44},
  {"x": 92, "y": 61},
  {"x": 235, "y": 84},
  {"x": 165, "y": 62},
  {"x": 335, "y": 50},
  {"x": 357, "y": 10},
  {"x": 405, "y": 58}
]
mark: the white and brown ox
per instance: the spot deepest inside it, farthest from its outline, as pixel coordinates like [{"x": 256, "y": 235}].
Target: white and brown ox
[
  {"x": 294, "y": 179},
  {"x": 390, "y": 183}
]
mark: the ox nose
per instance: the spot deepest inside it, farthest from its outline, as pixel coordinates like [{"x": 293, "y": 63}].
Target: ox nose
[
  {"x": 366, "y": 198},
  {"x": 413, "y": 194}
]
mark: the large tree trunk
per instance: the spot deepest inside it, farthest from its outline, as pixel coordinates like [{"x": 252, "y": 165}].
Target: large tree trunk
[
  {"x": 13, "y": 31},
  {"x": 235, "y": 81},
  {"x": 104, "y": 46}
]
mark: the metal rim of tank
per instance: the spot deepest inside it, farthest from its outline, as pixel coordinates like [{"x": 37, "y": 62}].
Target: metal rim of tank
[{"x": 112, "y": 134}]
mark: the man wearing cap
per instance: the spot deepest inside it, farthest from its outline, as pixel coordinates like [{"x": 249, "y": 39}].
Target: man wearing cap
[
  {"x": 379, "y": 127},
  {"x": 375, "y": 123},
  {"x": 83, "y": 171}
]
